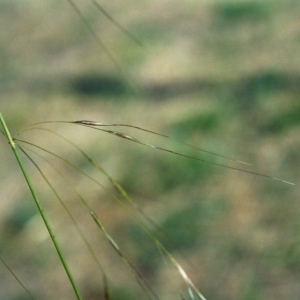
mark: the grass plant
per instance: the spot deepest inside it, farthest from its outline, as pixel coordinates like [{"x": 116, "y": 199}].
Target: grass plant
[
  {"x": 96, "y": 206},
  {"x": 123, "y": 199}
]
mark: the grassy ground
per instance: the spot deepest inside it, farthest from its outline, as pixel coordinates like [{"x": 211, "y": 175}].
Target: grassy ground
[{"x": 220, "y": 75}]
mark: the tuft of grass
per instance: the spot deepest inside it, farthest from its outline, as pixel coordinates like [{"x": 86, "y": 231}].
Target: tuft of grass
[
  {"x": 150, "y": 240},
  {"x": 145, "y": 224}
]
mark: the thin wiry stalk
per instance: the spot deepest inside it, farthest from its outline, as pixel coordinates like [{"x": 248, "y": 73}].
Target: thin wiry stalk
[
  {"x": 102, "y": 46},
  {"x": 64, "y": 160},
  {"x": 92, "y": 123},
  {"x": 121, "y": 191},
  {"x": 16, "y": 277},
  {"x": 191, "y": 288},
  {"x": 119, "y": 252},
  {"x": 137, "y": 275},
  {"x": 96, "y": 125},
  {"x": 40, "y": 208},
  {"x": 159, "y": 245},
  {"x": 93, "y": 33},
  {"x": 117, "y": 24},
  {"x": 92, "y": 252},
  {"x": 129, "y": 138},
  {"x": 115, "y": 184}
]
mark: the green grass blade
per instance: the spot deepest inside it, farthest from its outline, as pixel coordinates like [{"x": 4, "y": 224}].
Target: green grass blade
[
  {"x": 150, "y": 293},
  {"x": 158, "y": 244},
  {"x": 81, "y": 234},
  {"x": 121, "y": 191},
  {"x": 40, "y": 208}
]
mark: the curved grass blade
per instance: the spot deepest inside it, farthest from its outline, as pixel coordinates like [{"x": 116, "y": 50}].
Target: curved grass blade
[
  {"x": 97, "y": 166},
  {"x": 121, "y": 191},
  {"x": 129, "y": 138},
  {"x": 97, "y": 124},
  {"x": 92, "y": 252},
  {"x": 16, "y": 277},
  {"x": 92, "y": 123},
  {"x": 150, "y": 293},
  {"x": 158, "y": 244},
  {"x": 119, "y": 252}
]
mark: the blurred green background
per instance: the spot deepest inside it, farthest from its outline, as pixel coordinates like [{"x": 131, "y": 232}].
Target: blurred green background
[{"x": 220, "y": 75}]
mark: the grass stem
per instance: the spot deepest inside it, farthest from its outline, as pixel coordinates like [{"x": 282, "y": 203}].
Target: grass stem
[{"x": 40, "y": 208}]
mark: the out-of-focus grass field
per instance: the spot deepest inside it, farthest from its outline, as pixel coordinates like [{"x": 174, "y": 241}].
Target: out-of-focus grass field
[{"x": 220, "y": 75}]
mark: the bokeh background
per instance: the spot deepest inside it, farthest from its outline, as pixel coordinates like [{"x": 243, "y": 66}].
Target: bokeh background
[{"x": 220, "y": 75}]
